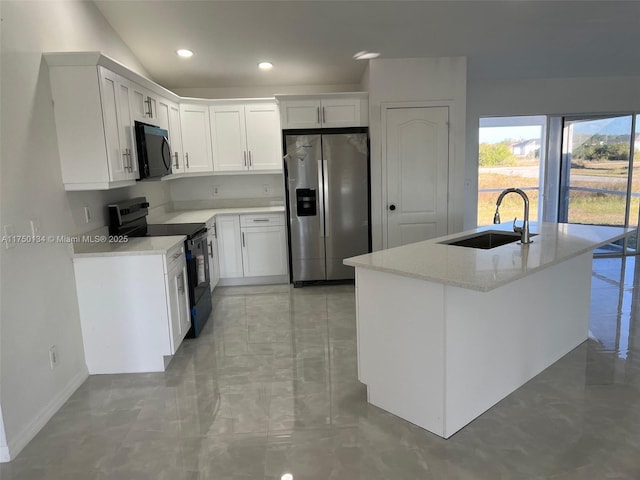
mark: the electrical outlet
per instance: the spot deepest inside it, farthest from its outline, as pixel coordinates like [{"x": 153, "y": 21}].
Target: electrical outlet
[
  {"x": 87, "y": 214},
  {"x": 266, "y": 189},
  {"x": 216, "y": 190},
  {"x": 53, "y": 356}
]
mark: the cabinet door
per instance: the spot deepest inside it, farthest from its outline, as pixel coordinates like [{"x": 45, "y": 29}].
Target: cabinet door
[
  {"x": 179, "y": 320},
  {"x": 301, "y": 114},
  {"x": 229, "y": 138},
  {"x": 167, "y": 119},
  {"x": 229, "y": 246},
  {"x": 214, "y": 262},
  {"x": 140, "y": 104},
  {"x": 196, "y": 138},
  {"x": 340, "y": 112},
  {"x": 175, "y": 132},
  {"x": 126, "y": 129},
  {"x": 116, "y": 157},
  {"x": 264, "y": 251},
  {"x": 263, "y": 137}
]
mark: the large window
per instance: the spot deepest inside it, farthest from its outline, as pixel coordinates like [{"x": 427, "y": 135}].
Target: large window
[
  {"x": 511, "y": 154},
  {"x": 574, "y": 169},
  {"x": 597, "y": 185}
]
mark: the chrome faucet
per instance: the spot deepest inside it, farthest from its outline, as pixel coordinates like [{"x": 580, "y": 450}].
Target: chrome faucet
[{"x": 525, "y": 238}]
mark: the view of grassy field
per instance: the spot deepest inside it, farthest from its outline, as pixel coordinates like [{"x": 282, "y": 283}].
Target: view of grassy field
[{"x": 585, "y": 207}]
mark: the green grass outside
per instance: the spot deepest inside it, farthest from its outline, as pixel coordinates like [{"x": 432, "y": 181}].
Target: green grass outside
[{"x": 585, "y": 207}]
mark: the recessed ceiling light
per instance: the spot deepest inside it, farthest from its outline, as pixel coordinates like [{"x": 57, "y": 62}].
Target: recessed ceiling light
[
  {"x": 366, "y": 55},
  {"x": 184, "y": 53},
  {"x": 265, "y": 65}
]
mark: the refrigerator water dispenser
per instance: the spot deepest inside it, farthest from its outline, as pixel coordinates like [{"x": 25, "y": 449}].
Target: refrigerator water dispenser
[{"x": 306, "y": 202}]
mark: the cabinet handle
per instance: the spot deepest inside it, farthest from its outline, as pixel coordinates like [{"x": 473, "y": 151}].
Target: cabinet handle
[
  {"x": 127, "y": 163},
  {"x": 150, "y": 112},
  {"x": 318, "y": 113},
  {"x": 210, "y": 249},
  {"x": 186, "y": 158},
  {"x": 323, "y": 117},
  {"x": 176, "y": 255},
  {"x": 244, "y": 156},
  {"x": 177, "y": 161},
  {"x": 243, "y": 244},
  {"x": 250, "y": 162},
  {"x": 260, "y": 219}
]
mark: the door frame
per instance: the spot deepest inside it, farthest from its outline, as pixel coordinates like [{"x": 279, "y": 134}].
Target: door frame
[{"x": 385, "y": 107}]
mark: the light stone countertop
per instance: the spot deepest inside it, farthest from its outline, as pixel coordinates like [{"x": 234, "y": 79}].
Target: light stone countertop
[
  {"x": 205, "y": 215},
  {"x": 485, "y": 270},
  {"x": 160, "y": 245},
  {"x": 134, "y": 246}
]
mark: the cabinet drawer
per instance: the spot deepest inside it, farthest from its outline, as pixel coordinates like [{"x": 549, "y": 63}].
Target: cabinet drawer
[
  {"x": 257, "y": 220},
  {"x": 174, "y": 258}
]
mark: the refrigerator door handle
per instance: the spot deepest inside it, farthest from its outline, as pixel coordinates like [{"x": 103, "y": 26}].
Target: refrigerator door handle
[
  {"x": 321, "y": 184},
  {"x": 325, "y": 199}
]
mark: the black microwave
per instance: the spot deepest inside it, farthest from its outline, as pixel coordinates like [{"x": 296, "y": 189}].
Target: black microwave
[{"x": 154, "y": 151}]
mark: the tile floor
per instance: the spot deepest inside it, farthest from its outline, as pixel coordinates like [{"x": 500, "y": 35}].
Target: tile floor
[{"x": 271, "y": 388}]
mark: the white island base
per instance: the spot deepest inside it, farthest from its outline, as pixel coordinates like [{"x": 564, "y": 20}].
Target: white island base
[{"x": 439, "y": 355}]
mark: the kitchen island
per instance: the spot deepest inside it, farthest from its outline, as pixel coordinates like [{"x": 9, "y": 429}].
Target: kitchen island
[{"x": 445, "y": 332}]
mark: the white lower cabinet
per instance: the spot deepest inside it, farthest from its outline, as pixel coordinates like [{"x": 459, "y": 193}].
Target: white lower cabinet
[
  {"x": 134, "y": 310},
  {"x": 229, "y": 246},
  {"x": 252, "y": 247},
  {"x": 214, "y": 260}
]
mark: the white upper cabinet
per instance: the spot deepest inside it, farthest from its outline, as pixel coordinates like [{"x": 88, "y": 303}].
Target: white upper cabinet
[
  {"x": 127, "y": 134},
  {"x": 196, "y": 139},
  {"x": 94, "y": 127},
  {"x": 168, "y": 118},
  {"x": 144, "y": 105},
  {"x": 96, "y": 102},
  {"x": 263, "y": 136},
  {"x": 330, "y": 111},
  {"x": 246, "y": 137}
]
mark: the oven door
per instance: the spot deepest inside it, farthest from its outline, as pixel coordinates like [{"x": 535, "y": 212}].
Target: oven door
[{"x": 197, "y": 266}]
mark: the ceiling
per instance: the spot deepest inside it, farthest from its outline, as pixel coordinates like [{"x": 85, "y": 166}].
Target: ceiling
[{"x": 313, "y": 42}]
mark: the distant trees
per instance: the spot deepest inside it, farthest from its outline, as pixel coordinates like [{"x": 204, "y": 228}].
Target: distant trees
[
  {"x": 495, "y": 154},
  {"x": 602, "y": 151},
  {"x": 600, "y": 147}
]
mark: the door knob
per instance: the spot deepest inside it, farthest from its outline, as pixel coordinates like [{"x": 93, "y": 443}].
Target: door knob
[{"x": 392, "y": 207}]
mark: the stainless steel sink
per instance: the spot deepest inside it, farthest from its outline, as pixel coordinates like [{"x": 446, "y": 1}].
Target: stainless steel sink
[{"x": 485, "y": 240}]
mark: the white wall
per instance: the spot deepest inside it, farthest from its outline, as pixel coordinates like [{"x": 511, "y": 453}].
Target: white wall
[
  {"x": 229, "y": 187},
  {"x": 39, "y": 306},
  {"x": 407, "y": 80},
  {"x": 546, "y": 96}
]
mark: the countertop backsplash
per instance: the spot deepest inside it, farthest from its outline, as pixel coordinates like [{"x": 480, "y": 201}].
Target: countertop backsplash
[{"x": 224, "y": 203}]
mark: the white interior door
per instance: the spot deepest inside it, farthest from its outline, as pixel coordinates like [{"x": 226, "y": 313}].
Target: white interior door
[{"x": 417, "y": 159}]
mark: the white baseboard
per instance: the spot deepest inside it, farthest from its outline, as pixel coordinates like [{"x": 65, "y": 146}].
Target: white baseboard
[
  {"x": 16, "y": 444},
  {"x": 268, "y": 280},
  {"x": 4, "y": 454}
]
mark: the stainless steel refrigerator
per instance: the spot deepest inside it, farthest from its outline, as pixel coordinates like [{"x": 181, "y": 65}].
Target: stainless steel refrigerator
[{"x": 327, "y": 180}]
